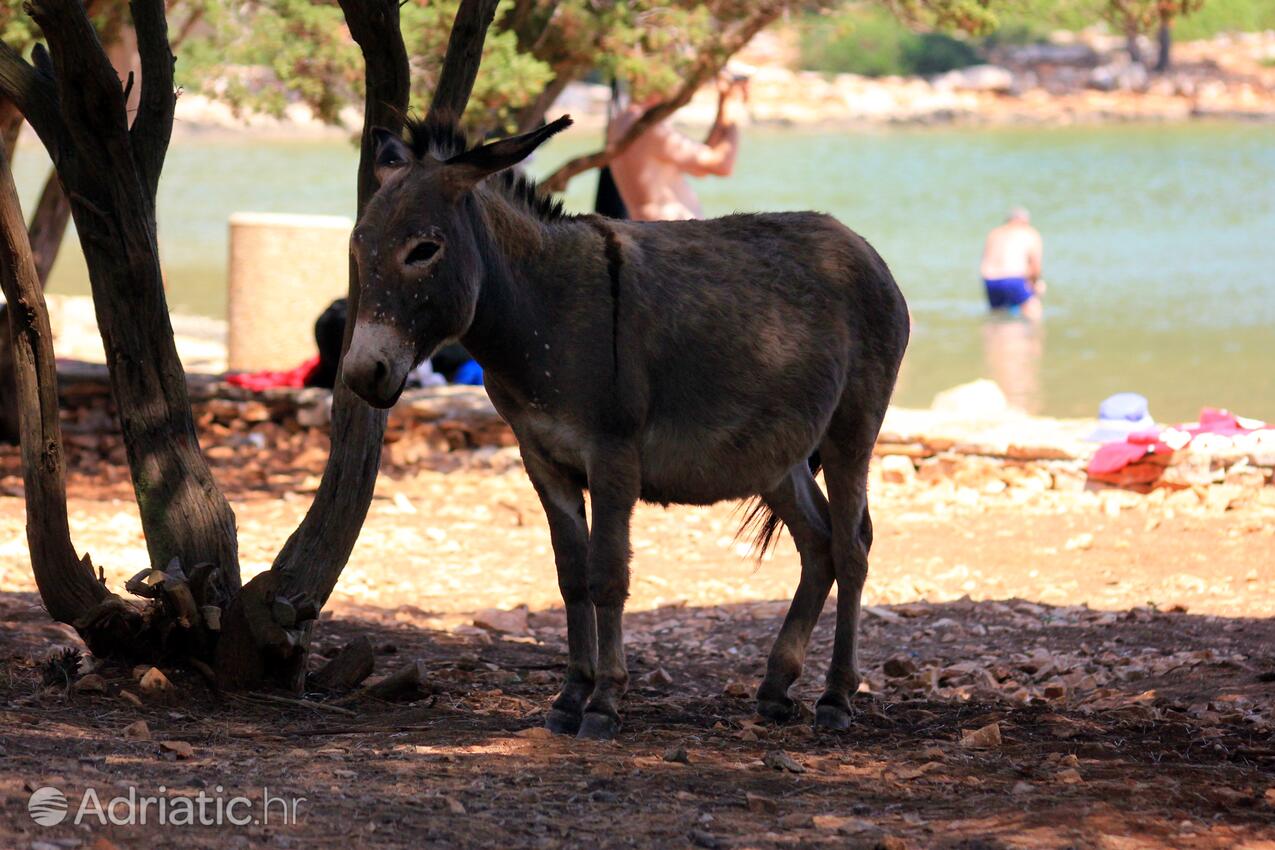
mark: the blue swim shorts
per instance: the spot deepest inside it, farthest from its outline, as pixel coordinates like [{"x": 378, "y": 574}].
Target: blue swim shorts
[{"x": 1008, "y": 292}]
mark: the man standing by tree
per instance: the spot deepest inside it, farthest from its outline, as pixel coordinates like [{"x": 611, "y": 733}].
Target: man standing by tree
[
  {"x": 651, "y": 173},
  {"x": 1011, "y": 266}
]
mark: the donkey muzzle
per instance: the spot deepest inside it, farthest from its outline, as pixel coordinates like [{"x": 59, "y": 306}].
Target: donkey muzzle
[{"x": 377, "y": 364}]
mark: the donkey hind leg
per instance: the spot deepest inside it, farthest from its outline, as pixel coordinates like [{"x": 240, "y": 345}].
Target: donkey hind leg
[
  {"x": 563, "y": 502},
  {"x": 802, "y": 507},
  {"x": 846, "y": 453},
  {"x": 614, "y": 484}
]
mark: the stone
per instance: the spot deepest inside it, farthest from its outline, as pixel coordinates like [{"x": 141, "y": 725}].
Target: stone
[
  {"x": 897, "y": 469},
  {"x": 513, "y": 622},
  {"x": 899, "y": 667},
  {"x": 156, "y": 686},
  {"x": 977, "y": 399},
  {"x": 91, "y": 683},
  {"x": 180, "y": 749},
  {"x": 138, "y": 731},
  {"x": 985, "y": 738}
]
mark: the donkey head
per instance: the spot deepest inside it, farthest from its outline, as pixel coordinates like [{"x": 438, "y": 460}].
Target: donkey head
[{"x": 418, "y": 251}]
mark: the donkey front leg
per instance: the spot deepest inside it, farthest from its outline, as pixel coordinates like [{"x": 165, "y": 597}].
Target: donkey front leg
[
  {"x": 614, "y": 484},
  {"x": 563, "y": 501}
]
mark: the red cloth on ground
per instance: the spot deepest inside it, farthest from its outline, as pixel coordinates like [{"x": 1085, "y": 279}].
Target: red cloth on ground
[
  {"x": 1113, "y": 457},
  {"x": 269, "y": 380}
]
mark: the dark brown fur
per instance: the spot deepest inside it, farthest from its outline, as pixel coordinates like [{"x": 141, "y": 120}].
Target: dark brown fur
[{"x": 674, "y": 362}]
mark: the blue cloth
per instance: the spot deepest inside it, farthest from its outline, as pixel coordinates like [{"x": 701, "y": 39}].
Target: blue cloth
[
  {"x": 1008, "y": 292},
  {"x": 469, "y": 373}
]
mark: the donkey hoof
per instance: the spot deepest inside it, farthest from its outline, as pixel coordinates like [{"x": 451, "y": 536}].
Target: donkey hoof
[
  {"x": 777, "y": 711},
  {"x": 598, "y": 727},
  {"x": 562, "y": 723},
  {"x": 832, "y": 717}
]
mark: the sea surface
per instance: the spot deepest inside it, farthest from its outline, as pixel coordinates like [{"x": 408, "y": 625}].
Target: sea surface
[{"x": 1159, "y": 243}]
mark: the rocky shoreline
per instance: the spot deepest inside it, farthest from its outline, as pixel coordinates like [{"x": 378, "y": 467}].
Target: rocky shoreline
[{"x": 1073, "y": 79}]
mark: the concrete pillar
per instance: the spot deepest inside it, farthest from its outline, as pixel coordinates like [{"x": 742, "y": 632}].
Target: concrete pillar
[{"x": 284, "y": 270}]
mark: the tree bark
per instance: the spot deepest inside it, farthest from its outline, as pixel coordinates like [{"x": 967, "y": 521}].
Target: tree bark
[
  {"x": 69, "y": 589},
  {"x": 48, "y": 226},
  {"x": 707, "y": 65},
  {"x": 267, "y": 630},
  {"x": 74, "y": 101},
  {"x": 255, "y": 648},
  {"x": 1164, "y": 57}
]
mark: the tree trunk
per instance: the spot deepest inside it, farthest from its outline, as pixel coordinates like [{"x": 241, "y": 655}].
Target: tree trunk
[
  {"x": 73, "y": 99},
  {"x": 1131, "y": 43},
  {"x": 256, "y": 647},
  {"x": 267, "y": 630},
  {"x": 69, "y": 589},
  {"x": 48, "y": 226},
  {"x": 1164, "y": 58}
]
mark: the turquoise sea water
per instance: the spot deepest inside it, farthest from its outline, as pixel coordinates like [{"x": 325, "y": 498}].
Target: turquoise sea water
[{"x": 1160, "y": 243}]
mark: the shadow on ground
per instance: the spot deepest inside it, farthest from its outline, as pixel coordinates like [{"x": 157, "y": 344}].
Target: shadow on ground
[{"x": 1140, "y": 729}]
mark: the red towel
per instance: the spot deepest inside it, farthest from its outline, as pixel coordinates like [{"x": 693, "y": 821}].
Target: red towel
[
  {"x": 1113, "y": 457},
  {"x": 269, "y": 380}
]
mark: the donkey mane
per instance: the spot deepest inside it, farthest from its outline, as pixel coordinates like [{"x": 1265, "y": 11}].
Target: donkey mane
[{"x": 443, "y": 139}]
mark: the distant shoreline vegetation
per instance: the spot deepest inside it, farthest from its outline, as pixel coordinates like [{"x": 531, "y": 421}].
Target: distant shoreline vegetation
[{"x": 870, "y": 41}]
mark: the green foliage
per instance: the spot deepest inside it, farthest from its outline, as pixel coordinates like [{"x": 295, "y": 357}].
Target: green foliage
[{"x": 872, "y": 42}]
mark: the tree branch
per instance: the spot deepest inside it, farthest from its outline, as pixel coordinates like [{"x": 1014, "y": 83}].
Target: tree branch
[
  {"x": 707, "y": 65},
  {"x": 464, "y": 54},
  {"x": 153, "y": 126},
  {"x": 68, "y": 587},
  {"x": 33, "y": 93}
]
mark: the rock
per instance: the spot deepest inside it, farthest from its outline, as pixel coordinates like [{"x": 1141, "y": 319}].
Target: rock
[
  {"x": 138, "y": 731},
  {"x": 129, "y": 696},
  {"x": 780, "y": 760},
  {"x": 976, "y": 78},
  {"x": 759, "y": 805},
  {"x": 657, "y": 678},
  {"x": 737, "y": 690},
  {"x": 1080, "y": 541},
  {"x": 988, "y": 737},
  {"x": 677, "y": 755},
  {"x": 503, "y": 622},
  {"x": 1269, "y": 796},
  {"x": 977, "y": 399},
  {"x": 897, "y": 469},
  {"x": 843, "y": 825},
  {"x": 796, "y": 820},
  {"x": 899, "y": 667},
  {"x": 1069, "y": 776},
  {"x": 156, "y": 686},
  {"x": 700, "y": 838},
  {"x": 455, "y": 806},
  {"x": 180, "y": 749},
  {"x": 348, "y": 668},
  {"x": 535, "y": 733},
  {"x": 1021, "y": 788},
  {"x": 91, "y": 683}
]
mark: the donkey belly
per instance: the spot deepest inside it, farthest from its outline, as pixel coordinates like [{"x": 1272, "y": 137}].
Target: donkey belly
[{"x": 701, "y": 465}]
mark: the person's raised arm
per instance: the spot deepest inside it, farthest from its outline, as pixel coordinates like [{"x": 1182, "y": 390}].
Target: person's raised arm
[{"x": 716, "y": 154}]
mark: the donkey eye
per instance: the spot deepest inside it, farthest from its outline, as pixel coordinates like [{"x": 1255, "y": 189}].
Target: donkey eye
[{"x": 421, "y": 253}]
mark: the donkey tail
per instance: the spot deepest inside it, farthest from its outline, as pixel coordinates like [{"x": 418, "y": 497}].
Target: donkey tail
[{"x": 761, "y": 526}]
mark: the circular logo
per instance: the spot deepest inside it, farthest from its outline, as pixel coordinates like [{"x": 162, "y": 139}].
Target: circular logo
[{"x": 47, "y": 806}]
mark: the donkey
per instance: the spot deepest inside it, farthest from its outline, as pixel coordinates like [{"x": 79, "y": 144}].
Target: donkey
[{"x": 686, "y": 362}]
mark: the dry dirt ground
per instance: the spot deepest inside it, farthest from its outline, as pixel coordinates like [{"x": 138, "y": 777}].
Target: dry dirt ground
[{"x": 1122, "y": 646}]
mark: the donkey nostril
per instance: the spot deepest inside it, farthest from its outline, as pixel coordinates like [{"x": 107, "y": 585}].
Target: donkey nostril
[{"x": 381, "y": 370}]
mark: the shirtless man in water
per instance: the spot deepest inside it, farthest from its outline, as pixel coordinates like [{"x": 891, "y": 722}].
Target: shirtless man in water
[
  {"x": 1011, "y": 267},
  {"x": 651, "y": 173}
]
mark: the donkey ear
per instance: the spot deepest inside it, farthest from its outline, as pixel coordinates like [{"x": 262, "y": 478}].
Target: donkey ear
[
  {"x": 391, "y": 153},
  {"x": 466, "y": 169}
]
